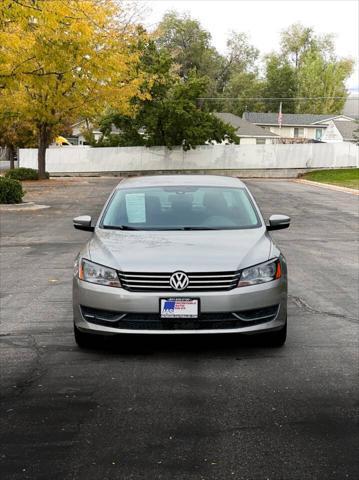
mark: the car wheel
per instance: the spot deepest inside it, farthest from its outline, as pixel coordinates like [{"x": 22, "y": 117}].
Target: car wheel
[
  {"x": 84, "y": 340},
  {"x": 274, "y": 339}
]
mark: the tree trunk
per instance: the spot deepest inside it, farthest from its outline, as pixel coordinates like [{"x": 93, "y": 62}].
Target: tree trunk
[
  {"x": 44, "y": 139},
  {"x": 11, "y": 156}
]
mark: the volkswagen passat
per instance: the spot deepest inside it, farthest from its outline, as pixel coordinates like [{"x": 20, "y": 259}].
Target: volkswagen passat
[{"x": 181, "y": 254}]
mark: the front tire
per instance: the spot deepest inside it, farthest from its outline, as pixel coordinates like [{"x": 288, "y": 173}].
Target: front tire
[
  {"x": 274, "y": 339},
  {"x": 84, "y": 340}
]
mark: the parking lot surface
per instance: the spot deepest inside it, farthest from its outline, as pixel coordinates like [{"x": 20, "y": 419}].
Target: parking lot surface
[{"x": 212, "y": 408}]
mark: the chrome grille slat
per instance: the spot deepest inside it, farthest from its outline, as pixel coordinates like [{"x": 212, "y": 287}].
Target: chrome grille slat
[
  {"x": 213, "y": 281},
  {"x": 164, "y": 282},
  {"x": 143, "y": 276},
  {"x": 213, "y": 276},
  {"x": 160, "y": 281}
]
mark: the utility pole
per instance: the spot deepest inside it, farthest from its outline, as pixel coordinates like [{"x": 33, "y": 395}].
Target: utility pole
[{"x": 280, "y": 116}]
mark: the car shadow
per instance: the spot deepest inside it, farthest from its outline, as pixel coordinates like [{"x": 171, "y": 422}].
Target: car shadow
[{"x": 183, "y": 345}]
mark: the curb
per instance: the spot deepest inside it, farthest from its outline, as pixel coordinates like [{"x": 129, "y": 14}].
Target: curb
[
  {"x": 328, "y": 186},
  {"x": 21, "y": 206}
]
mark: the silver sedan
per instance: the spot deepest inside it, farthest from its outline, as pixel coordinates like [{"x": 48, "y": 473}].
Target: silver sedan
[{"x": 181, "y": 254}]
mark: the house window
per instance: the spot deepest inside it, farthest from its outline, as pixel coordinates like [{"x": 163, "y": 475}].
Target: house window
[
  {"x": 298, "y": 132},
  {"x": 260, "y": 141},
  {"x": 318, "y": 133}
]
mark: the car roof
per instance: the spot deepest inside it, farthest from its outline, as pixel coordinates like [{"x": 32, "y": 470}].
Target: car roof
[{"x": 169, "y": 180}]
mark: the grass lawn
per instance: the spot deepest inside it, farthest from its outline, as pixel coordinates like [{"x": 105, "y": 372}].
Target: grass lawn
[{"x": 344, "y": 177}]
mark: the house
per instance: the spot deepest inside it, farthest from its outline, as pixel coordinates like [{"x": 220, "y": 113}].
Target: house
[
  {"x": 295, "y": 125},
  {"x": 248, "y": 133},
  {"x": 77, "y": 132},
  {"x": 339, "y": 131}
]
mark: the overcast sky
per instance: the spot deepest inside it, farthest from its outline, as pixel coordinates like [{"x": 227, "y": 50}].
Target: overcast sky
[{"x": 263, "y": 20}]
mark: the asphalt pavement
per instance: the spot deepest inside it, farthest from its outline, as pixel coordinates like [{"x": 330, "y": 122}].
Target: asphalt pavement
[{"x": 179, "y": 408}]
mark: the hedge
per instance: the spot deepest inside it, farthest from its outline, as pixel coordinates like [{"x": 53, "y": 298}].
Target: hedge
[
  {"x": 10, "y": 191},
  {"x": 22, "y": 173}
]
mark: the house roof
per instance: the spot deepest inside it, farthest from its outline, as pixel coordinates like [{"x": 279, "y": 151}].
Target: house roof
[
  {"x": 346, "y": 129},
  {"x": 243, "y": 127},
  {"x": 287, "y": 118}
]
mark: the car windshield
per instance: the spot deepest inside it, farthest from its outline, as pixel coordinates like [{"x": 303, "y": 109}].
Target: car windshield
[{"x": 180, "y": 208}]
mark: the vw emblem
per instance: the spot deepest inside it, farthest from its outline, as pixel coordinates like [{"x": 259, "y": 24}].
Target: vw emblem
[{"x": 179, "y": 281}]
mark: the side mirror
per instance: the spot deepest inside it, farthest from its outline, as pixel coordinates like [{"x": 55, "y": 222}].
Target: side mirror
[
  {"x": 83, "y": 223},
  {"x": 278, "y": 222}
]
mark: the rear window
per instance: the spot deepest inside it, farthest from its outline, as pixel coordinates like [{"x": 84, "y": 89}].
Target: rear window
[{"x": 181, "y": 208}]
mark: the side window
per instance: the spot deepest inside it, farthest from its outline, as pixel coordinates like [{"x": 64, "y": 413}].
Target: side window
[{"x": 298, "y": 132}]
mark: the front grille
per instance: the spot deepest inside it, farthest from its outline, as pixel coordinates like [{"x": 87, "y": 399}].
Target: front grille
[
  {"x": 205, "y": 321},
  {"x": 198, "y": 282}
]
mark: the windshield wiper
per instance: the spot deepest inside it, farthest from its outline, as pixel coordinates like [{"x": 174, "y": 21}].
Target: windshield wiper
[
  {"x": 120, "y": 227},
  {"x": 179, "y": 229},
  {"x": 198, "y": 228}
]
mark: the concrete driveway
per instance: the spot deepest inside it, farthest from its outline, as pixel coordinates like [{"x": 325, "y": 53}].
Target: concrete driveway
[{"x": 179, "y": 409}]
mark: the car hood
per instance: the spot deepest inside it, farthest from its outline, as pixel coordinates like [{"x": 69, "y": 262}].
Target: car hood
[{"x": 190, "y": 251}]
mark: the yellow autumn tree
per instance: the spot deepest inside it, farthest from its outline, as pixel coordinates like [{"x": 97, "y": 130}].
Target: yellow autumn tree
[{"x": 64, "y": 60}]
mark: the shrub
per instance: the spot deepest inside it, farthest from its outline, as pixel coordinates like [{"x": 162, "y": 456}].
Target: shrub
[
  {"x": 22, "y": 173},
  {"x": 10, "y": 191}
]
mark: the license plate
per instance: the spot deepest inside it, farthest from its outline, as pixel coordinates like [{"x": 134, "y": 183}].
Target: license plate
[{"x": 179, "y": 307}]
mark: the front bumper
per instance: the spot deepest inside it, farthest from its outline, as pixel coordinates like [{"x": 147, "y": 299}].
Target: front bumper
[{"x": 100, "y": 297}]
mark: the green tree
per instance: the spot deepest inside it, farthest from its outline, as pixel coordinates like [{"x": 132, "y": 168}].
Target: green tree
[
  {"x": 242, "y": 56},
  {"x": 295, "y": 41},
  {"x": 307, "y": 67},
  {"x": 158, "y": 65},
  {"x": 321, "y": 78},
  {"x": 281, "y": 82},
  {"x": 246, "y": 86},
  {"x": 177, "y": 119},
  {"x": 188, "y": 44},
  {"x": 238, "y": 77},
  {"x": 171, "y": 118},
  {"x": 235, "y": 73}
]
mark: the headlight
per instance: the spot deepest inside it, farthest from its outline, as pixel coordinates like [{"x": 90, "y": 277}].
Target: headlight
[
  {"x": 95, "y": 273},
  {"x": 265, "y": 272}
]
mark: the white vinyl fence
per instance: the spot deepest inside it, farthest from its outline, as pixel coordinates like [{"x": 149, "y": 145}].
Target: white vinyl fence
[
  {"x": 70, "y": 160},
  {"x": 3, "y": 155}
]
